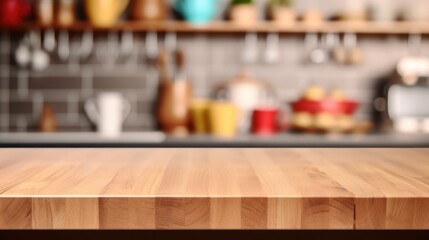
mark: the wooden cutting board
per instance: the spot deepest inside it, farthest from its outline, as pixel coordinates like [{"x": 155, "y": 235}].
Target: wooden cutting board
[{"x": 214, "y": 188}]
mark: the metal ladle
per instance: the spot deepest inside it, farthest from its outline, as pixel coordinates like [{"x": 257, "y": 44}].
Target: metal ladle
[
  {"x": 250, "y": 50},
  {"x": 63, "y": 46},
  {"x": 318, "y": 54},
  {"x": 87, "y": 45},
  {"x": 272, "y": 52},
  {"x": 113, "y": 48},
  {"x": 40, "y": 59},
  {"x": 49, "y": 41},
  {"x": 354, "y": 52},
  {"x": 23, "y": 52},
  {"x": 126, "y": 45},
  {"x": 151, "y": 46}
]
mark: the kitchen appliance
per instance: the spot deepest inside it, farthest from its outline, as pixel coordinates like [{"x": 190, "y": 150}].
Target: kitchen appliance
[
  {"x": 108, "y": 111},
  {"x": 13, "y": 12},
  {"x": 401, "y": 99},
  {"x": 407, "y": 107}
]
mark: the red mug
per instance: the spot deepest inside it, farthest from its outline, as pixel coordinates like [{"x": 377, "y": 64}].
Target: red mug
[
  {"x": 264, "y": 121},
  {"x": 13, "y": 12}
]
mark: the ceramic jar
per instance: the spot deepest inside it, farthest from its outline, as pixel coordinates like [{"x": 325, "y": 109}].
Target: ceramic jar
[
  {"x": 149, "y": 10},
  {"x": 244, "y": 14},
  {"x": 283, "y": 16}
]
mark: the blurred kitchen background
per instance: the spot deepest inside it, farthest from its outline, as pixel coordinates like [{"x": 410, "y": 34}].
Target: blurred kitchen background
[{"x": 215, "y": 71}]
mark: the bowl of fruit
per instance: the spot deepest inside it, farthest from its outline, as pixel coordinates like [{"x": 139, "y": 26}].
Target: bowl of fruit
[{"x": 317, "y": 111}]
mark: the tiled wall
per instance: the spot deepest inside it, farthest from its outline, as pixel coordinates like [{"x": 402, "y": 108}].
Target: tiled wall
[{"x": 210, "y": 60}]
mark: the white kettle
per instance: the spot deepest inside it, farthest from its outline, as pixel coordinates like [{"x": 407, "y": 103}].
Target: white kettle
[{"x": 247, "y": 94}]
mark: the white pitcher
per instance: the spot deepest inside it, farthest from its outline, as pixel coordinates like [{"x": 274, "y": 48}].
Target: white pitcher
[{"x": 108, "y": 111}]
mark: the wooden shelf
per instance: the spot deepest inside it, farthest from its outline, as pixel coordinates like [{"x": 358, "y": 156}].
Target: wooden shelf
[{"x": 228, "y": 27}]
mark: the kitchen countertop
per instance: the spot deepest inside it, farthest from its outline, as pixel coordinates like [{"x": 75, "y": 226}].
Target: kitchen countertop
[
  {"x": 214, "y": 188},
  {"x": 158, "y": 139},
  {"x": 83, "y": 138}
]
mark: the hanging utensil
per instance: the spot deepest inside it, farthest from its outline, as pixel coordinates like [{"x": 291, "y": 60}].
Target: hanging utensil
[
  {"x": 162, "y": 62},
  {"x": 126, "y": 45},
  {"x": 354, "y": 52},
  {"x": 101, "y": 53},
  {"x": 414, "y": 43},
  {"x": 310, "y": 43},
  {"x": 74, "y": 58},
  {"x": 151, "y": 45},
  {"x": 87, "y": 45},
  {"x": 272, "y": 51},
  {"x": 23, "y": 52},
  {"x": 180, "y": 65},
  {"x": 330, "y": 42},
  {"x": 170, "y": 41},
  {"x": 339, "y": 53},
  {"x": 318, "y": 54},
  {"x": 63, "y": 46},
  {"x": 39, "y": 59},
  {"x": 250, "y": 51},
  {"x": 170, "y": 46},
  {"x": 113, "y": 48},
  {"x": 134, "y": 57},
  {"x": 49, "y": 41}
]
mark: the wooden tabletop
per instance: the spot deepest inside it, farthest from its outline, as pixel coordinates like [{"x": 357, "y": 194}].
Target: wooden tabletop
[{"x": 214, "y": 188}]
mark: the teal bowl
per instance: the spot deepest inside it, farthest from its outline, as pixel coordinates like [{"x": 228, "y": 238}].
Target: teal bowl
[{"x": 197, "y": 11}]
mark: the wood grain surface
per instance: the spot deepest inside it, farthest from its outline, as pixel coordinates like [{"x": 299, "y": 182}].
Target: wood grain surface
[{"x": 214, "y": 188}]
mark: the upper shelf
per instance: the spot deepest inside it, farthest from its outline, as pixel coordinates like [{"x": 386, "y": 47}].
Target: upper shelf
[{"x": 228, "y": 27}]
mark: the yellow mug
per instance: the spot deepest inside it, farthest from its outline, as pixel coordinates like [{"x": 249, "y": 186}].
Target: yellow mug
[
  {"x": 105, "y": 13},
  {"x": 223, "y": 118},
  {"x": 199, "y": 112}
]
